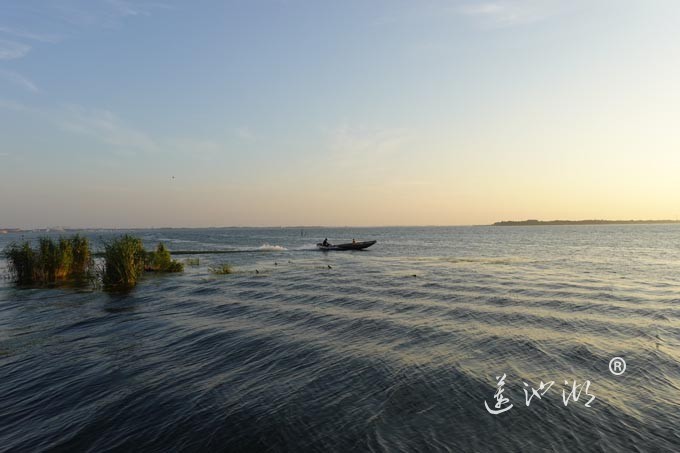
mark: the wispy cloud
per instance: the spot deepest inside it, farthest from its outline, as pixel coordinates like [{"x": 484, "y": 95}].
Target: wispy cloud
[
  {"x": 18, "y": 79},
  {"x": 508, "y": 13},
  {"x": 351, "y": 146},
  {"x": 105, "y": 13},
  {"x": 10, "y": 50},
  {"x": 106, "y": 127},
  {"x": 77, "y": 14},
  {"x": 199, "y": 147},
  {"x": 244, "y": 133},
  {"x": 100, "y": 125},
  {"x": 17, "y": 107},
  {"x": 482, "y": 13},
  {"x": 124, "y": 8},
  {"x": 28, "y": 35}
]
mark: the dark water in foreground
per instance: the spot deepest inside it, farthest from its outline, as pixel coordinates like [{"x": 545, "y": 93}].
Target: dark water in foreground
[{"x": 360, "y": 357}]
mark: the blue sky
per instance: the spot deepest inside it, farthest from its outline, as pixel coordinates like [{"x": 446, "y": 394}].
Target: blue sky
[{"x": 286, "y": 112}]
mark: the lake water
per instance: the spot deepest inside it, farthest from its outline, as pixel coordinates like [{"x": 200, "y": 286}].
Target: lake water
[{"x": 396, "y": 348}]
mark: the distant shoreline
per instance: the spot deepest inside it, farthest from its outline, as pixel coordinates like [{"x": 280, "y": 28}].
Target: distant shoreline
[
  {"x": 61, "y": 230},
  {"x": 582, "y": 222}
]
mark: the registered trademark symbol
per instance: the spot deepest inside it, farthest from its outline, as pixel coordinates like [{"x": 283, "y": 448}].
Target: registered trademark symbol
[{"x": 617, "y": 366}]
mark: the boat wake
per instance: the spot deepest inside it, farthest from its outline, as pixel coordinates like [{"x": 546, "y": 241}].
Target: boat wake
[
  {"x": 271, "y": 248},
  {"x": 305, "y": 248}
]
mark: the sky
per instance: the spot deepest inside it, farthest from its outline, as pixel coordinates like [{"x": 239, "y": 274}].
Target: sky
[{"x": 122, "y": 113}]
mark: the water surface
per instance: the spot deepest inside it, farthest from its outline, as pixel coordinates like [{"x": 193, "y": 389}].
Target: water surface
[{"x": 391, "y": 349}]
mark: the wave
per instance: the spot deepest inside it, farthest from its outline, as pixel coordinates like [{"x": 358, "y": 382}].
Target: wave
[
  {"x": 363, "y": 351},
  {"x": 177, "y": 241},
  {"x": 271, "y": 248}
]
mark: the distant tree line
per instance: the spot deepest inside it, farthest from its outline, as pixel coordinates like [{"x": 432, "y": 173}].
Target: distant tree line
[{"x": 534, "y": 222}]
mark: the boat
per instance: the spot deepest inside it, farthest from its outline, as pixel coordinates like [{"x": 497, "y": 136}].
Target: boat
[{"x": 348, "y": 246}]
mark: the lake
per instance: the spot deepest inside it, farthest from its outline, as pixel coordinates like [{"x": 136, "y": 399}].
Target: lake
[{"x": 396, "y": 348}]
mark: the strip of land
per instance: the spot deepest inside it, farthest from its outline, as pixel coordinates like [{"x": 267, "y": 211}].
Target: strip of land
[{"x": 581, "y": 222}]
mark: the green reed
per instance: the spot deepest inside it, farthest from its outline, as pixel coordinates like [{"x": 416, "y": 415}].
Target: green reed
[
  {"x": 160, "y": 261},
  {"x": 124, "y": 259},
  {"x": 222, "y": 269},
  {"x": 21, "y": 260},
  {"x": 81, "y": 263},
  {"x": 52, "y": 261}
]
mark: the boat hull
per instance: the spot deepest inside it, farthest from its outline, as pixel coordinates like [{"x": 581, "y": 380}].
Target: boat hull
[{"x": 348, "y": 246}]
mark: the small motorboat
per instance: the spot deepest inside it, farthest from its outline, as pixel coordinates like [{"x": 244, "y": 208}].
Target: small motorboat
[{"x": 348, "y": 246}]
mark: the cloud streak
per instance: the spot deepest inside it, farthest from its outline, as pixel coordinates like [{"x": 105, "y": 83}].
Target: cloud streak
[
  {"x": 509, "y": 13},
  {"x": 355, "y": 146},
  {"x": 100, "y": 125},
  {"x": 18, "y": 79},
  {"x": 28, "y": 35},
  {"x": 107, "y": 128},
  {"x": 105, "y": 13},
  {"x": 11, "y": 50},
  {"x": 13, "y": 43}
]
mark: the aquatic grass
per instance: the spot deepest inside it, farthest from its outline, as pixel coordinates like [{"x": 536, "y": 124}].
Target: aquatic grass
[
  {"x": 21, "y": 262},
  {"x": 51, "y": 262},
  {"x": 192, "y": 261},
  {"x": 81, "y": 263},
  {"x": 124, "y": 260},
  {"x": 69, "y": 259},
  {"x": 222, "y": 269},
  {"x": 175, "y": 266},
  {"x": 161, "y": 261},
  {"x": 54, "y": 260}
]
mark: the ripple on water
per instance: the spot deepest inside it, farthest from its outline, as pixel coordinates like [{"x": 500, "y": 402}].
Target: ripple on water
[{"x": 362, "y": 356}]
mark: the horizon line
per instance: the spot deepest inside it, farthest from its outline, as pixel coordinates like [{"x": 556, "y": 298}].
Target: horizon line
[{"x": 71, "y": 228}]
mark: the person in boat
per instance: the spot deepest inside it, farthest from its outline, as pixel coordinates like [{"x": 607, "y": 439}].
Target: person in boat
[
  {"x": 354, "y": 241},
  {"x": 325, "y": 243}
]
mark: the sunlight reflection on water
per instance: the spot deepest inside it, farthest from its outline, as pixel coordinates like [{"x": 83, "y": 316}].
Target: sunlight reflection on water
[{"x": 393, "y": 348}]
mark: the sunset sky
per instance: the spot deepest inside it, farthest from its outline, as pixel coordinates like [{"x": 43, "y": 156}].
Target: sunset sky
[{"x": 288, "y": 112}]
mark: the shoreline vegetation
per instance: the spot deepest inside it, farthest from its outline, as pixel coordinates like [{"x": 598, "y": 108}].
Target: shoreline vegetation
[
  {"x": 222, "y": 269},
  {"x": 52, "y": 261},
  {"x": 126, "y": 260},
  {"x": 69, "y": 261},
  {"x": 533, "y": 222}
]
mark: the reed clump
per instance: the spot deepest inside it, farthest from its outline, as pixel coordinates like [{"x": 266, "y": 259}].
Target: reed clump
[
  {"x": 21, "y": 261},
  {"x": 82, "y": 262},
  {"x": 222, "y": 269},
  {"x": 161, "y": 261},
  {"x": 124, "y": 260},
  {"x": 52, "y": 261}
]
